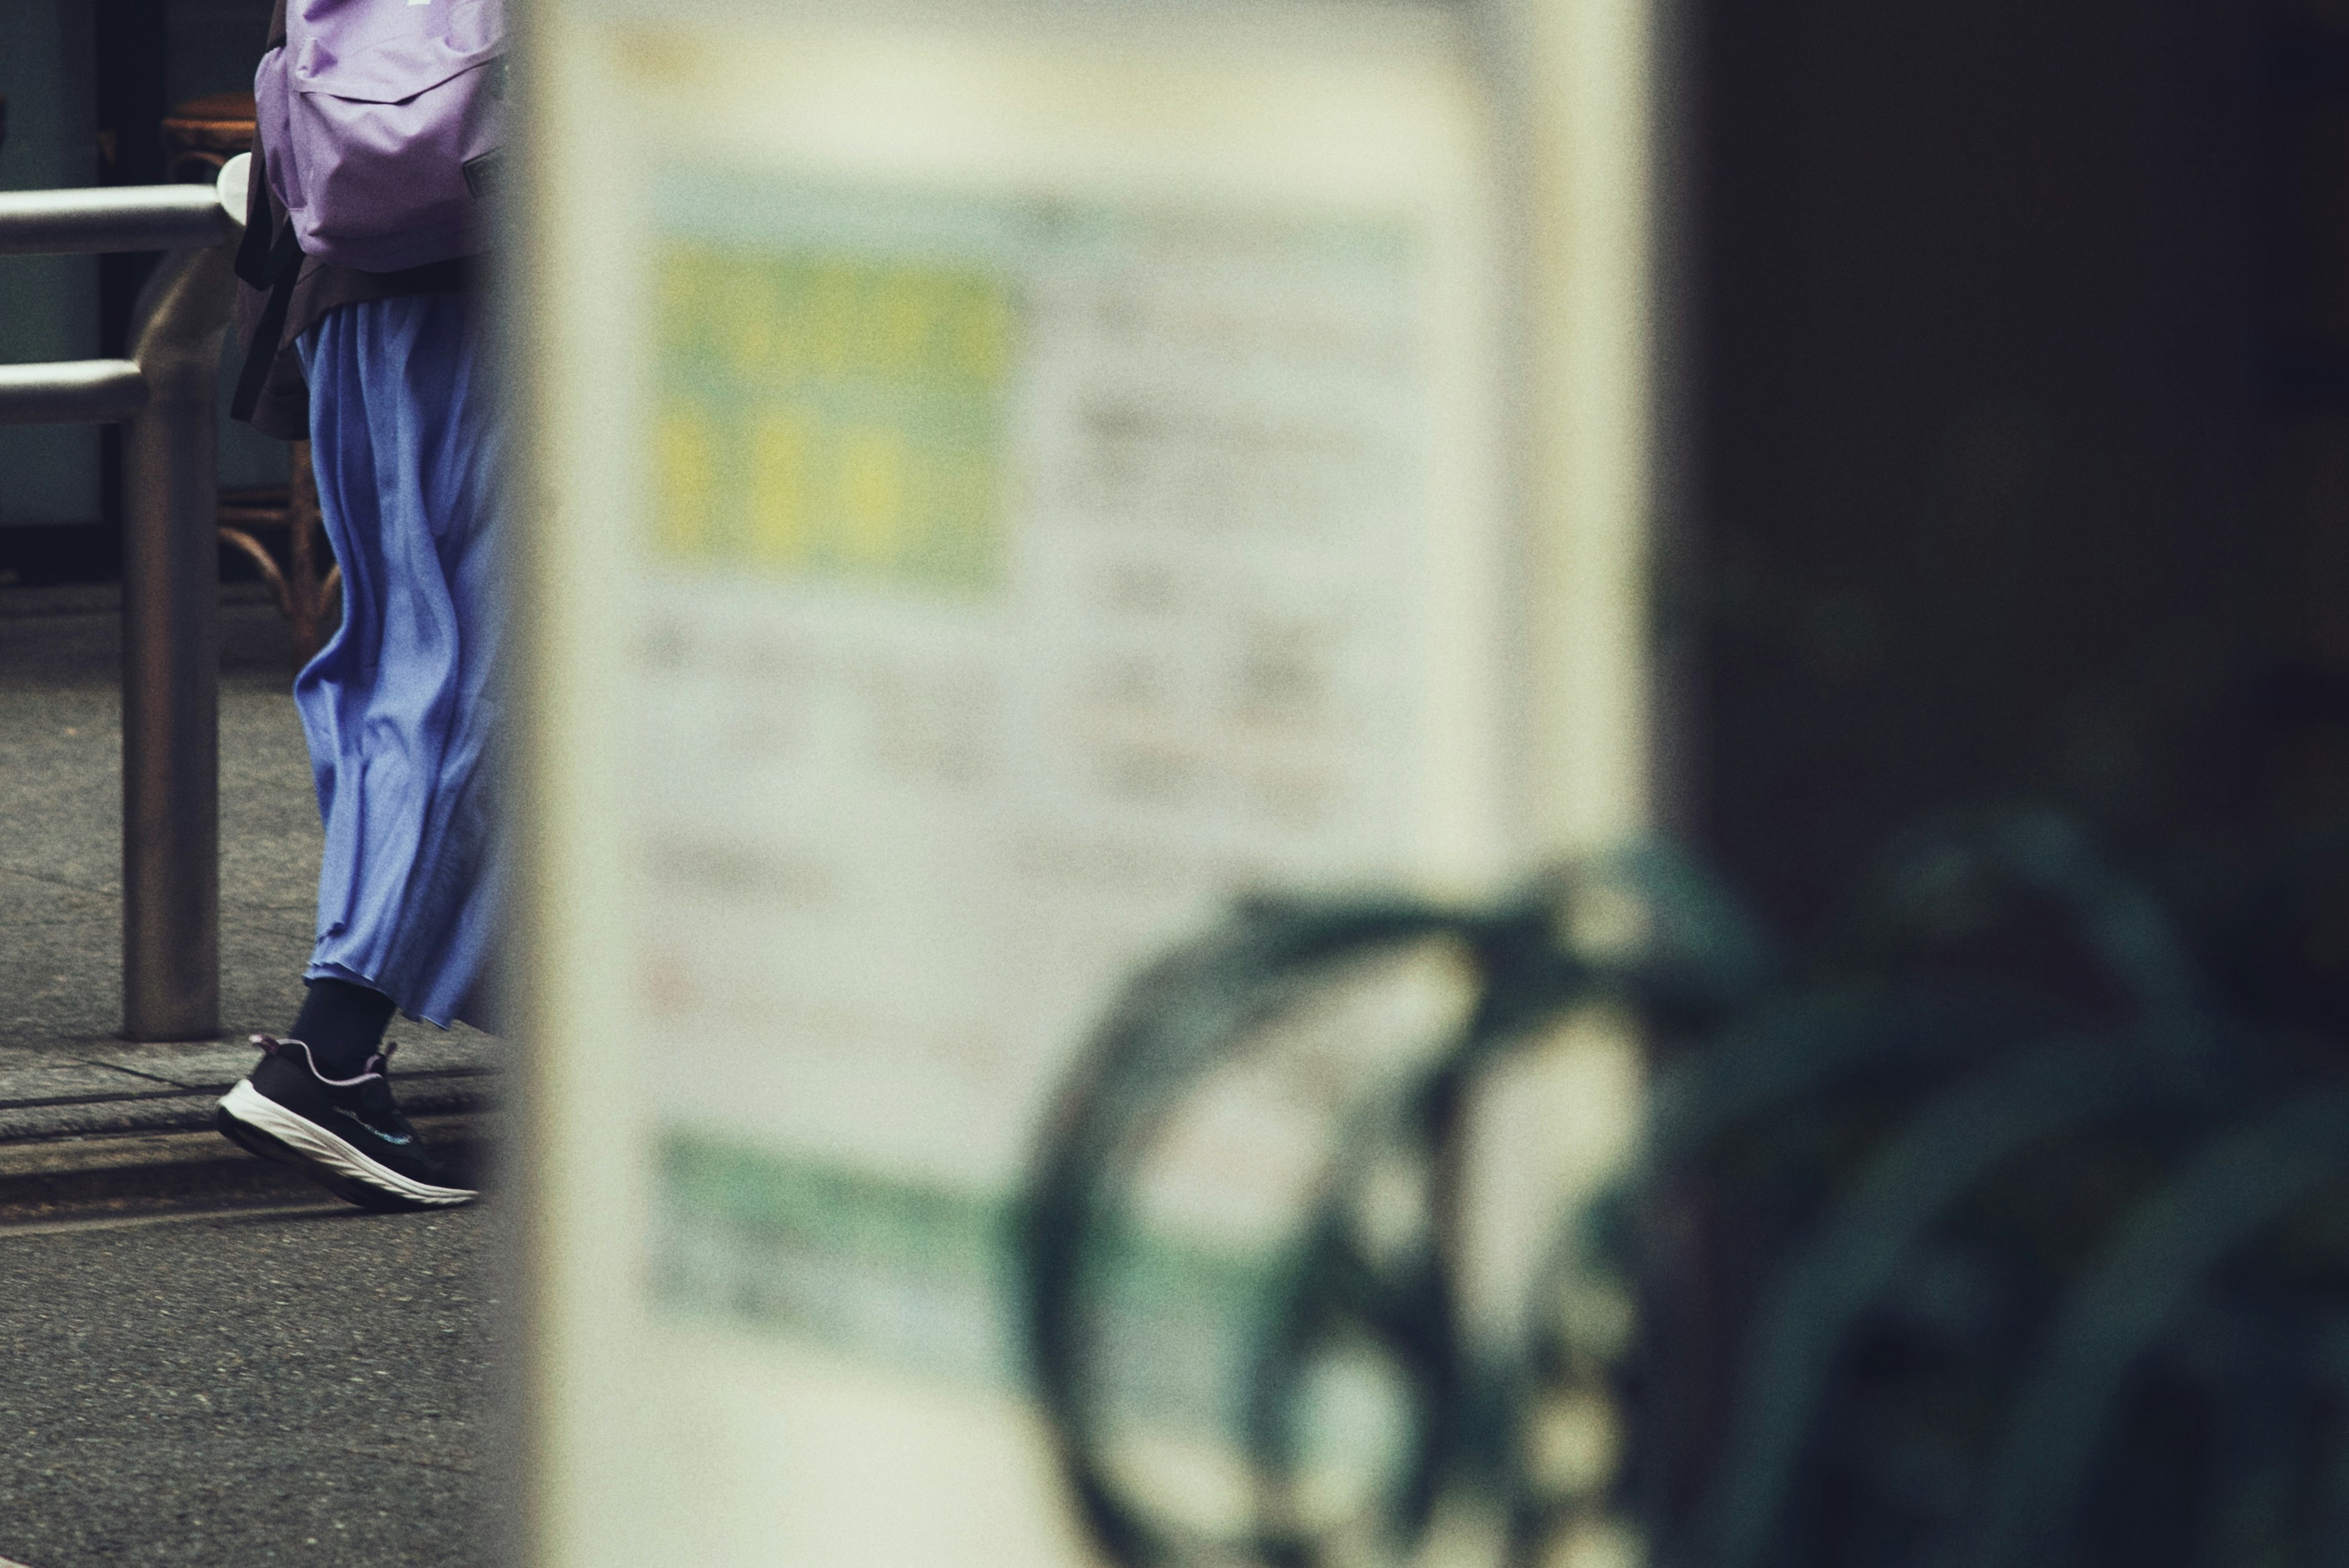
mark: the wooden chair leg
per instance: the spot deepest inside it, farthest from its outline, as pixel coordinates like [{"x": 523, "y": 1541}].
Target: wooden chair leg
[{"x": 258, "y": 554}]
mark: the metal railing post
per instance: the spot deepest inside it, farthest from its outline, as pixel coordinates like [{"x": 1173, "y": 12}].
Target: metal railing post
[
  {"x": 170, "y": 655},
  {"x": 170, "y": 596}
]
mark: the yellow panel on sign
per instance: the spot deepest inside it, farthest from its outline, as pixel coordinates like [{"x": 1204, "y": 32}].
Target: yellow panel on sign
[{"x": 831, "y": 418}]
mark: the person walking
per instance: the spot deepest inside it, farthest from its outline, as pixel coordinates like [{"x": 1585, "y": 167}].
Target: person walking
[{"x": 385, "y": 372}]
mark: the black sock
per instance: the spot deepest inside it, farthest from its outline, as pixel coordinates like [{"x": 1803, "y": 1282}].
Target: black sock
[{"x": 342, "y": 1023}]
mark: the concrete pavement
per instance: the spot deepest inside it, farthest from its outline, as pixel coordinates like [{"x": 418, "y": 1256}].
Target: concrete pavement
[
  {"x": 227, "y": 1393},
  {"x": 297, "y": 1382}
]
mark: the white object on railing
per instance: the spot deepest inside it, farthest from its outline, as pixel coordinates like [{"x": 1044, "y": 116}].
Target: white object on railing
[{"x": 235, "y": 185}]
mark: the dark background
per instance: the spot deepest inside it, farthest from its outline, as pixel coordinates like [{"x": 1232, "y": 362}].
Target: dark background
[
  {"x": 89, "y": 83},
  {"x": 2021, "y": 426}
]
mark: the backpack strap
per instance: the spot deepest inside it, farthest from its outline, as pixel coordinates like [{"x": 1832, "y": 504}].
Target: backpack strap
[
  {"x": 252, "y": 250},
  {"x": 276, "y": 269}
]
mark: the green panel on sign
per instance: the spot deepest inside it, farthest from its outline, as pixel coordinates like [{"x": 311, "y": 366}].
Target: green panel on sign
[
  {"x": 926, "y": 1277},
  {"x": 831, "y": 417}
]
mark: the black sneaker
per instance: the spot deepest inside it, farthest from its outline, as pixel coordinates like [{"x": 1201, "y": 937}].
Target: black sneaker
[{"x": 344, "y": 1133}]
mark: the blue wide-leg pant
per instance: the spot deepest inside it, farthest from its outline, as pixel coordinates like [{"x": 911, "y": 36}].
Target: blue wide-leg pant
[{"x": 402, "y": 707}]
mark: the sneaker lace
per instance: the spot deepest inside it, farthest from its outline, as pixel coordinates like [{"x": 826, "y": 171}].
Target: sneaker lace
[{"x": 375, "y": 1094}]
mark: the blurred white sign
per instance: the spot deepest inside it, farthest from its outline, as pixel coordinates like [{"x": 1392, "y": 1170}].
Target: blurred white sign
[{"x": 1006, "y": 480}]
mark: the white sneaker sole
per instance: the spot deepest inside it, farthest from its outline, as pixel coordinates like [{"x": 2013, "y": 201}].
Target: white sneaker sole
[{"x": 321, "y": 1147}]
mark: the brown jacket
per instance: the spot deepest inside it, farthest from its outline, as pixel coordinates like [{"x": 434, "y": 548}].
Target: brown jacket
[{"x": 283, "y": 409}]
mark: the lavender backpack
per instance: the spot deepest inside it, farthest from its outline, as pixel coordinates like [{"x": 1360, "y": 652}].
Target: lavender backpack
[
  {"x": 380, "y": 123},
  {"x": 381, "y": 120}
]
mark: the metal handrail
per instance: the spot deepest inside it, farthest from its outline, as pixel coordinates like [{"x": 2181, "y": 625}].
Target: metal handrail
[
  {"x": 71, "y": 392},
  {"x": 166, "y": 393},
  {"x": 115, "y": 218}
]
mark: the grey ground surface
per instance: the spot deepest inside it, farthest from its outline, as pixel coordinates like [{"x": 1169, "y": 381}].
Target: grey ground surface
[
  {"x": 230, "y": 1392},
  {"x": 279, "y": 1389}
]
